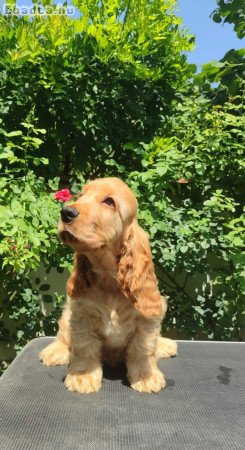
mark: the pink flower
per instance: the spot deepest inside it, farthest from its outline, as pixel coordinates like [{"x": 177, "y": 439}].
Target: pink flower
[{"x": 64, "y": 195}]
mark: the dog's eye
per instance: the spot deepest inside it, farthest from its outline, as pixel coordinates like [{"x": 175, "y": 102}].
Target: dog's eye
[{"x": 109, "y": 201}]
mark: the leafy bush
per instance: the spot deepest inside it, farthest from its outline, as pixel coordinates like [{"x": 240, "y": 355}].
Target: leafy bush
[
  {"x": 190, "y": 189},
  {"x": 92, "y": 80},
  {"x": 28, "y": 220},
  {"x": 28, "y": 214}
]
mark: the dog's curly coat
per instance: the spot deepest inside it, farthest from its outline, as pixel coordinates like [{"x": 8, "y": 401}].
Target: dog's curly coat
[{"x": 114, "y": 309}]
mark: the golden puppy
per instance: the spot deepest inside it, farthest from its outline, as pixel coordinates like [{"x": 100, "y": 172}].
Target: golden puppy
[{"x": 114, "y": 309}]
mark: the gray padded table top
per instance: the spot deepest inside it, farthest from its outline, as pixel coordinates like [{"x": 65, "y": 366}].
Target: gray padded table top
[{"x": 202, "y": 406}]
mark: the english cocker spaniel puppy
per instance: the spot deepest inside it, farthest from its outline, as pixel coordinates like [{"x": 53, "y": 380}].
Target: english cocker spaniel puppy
[{"x": 114, "y": 309}]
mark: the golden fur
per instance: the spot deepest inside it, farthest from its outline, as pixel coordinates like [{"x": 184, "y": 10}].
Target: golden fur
[{"x": 114, "y": 309}]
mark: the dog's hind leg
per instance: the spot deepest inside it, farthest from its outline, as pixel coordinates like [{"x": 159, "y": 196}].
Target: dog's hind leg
[{"x": 165, "y": 348}]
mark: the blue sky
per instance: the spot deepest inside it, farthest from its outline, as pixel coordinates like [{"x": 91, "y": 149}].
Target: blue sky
[{"x": 212, "y": 39}]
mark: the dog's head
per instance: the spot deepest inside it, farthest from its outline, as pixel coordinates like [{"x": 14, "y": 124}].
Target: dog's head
[
  {"x": 103, "y": 222},
  {"x": 99, "y": 217}
]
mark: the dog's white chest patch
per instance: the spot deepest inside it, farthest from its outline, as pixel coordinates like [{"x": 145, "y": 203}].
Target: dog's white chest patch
[
  {"x": 113, "y": 326},
  {"x": 114, "y": 331},
  {"x": 117, "y": 326}
]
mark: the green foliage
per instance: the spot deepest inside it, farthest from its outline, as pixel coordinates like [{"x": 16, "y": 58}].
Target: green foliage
[
  {"x": 227, "y": 74},
  {"x": 233, "y": 12},
  {"x": 28, "y": 222},
  {"x": 190, "y": 189},
  {"x": 28, "y": 232},
  {"x": 92, "y": 81}
]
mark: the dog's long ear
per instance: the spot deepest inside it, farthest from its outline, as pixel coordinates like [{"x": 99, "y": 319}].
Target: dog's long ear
[
  {"x": 79, "y": 279},
  {"x": 136, "y": 275}
]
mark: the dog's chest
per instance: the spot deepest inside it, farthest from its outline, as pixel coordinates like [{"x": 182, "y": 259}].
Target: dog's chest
[{"x": 118, "y": 321}]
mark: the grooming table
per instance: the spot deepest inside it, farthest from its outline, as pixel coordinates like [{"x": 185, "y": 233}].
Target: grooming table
[{"x": 202, "y": 406}]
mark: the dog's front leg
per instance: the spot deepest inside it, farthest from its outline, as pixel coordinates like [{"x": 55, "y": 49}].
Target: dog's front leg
[
  {"x": 143, "y": 373},
  {"x": 85, "y": 370}
]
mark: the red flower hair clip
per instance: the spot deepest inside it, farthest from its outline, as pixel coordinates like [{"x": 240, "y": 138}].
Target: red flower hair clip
[{"x": 64, "y": 195}]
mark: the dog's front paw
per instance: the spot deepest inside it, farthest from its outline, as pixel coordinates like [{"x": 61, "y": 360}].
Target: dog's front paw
[
  {"x": 84, "y": 382},
  {"x": 150, "y": 383},
  {"x": 55, "y": 354}
]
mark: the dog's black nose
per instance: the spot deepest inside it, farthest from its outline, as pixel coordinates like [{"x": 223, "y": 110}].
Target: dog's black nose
[{"x": 68, "y": 213}]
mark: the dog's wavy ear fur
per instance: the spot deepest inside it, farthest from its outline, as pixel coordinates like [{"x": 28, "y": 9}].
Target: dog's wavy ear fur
[
  {"x": 136, "y": 275},
  {"x": 79, "y": 279}
]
